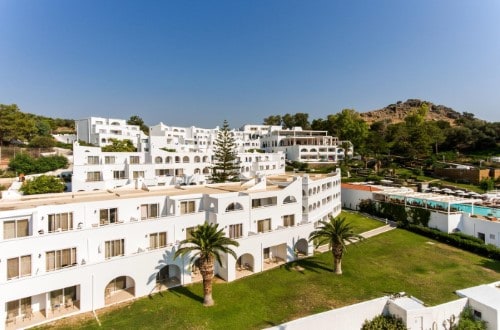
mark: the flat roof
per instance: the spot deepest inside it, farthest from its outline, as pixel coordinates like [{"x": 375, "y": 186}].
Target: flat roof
[
  {"x": 31, "y": 201},
  {"x": 408, "y": 303},
  {"x": 487, "y": 294}
]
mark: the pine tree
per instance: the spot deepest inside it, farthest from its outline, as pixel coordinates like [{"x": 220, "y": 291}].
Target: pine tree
[{"x": 225, "y": 166}]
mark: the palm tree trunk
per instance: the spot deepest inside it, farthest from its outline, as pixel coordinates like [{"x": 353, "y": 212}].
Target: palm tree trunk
[
  {"x": 337, "y": 259},
  {"x": 207, "y": 274}
]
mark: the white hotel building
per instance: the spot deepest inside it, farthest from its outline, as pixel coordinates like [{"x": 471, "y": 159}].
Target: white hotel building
[
  {"x": 101, "y": 131},
  {"x": 68, "y": 253},
  {"x": 94, "y": 169}
]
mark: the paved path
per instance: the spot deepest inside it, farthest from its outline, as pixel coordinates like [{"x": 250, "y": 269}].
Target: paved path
[{"x": 367, "y": 234}]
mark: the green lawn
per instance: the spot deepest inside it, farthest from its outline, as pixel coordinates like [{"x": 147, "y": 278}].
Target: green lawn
[
  {"x": 391, "y": 262},
  {"x": 360, "y": 223}
]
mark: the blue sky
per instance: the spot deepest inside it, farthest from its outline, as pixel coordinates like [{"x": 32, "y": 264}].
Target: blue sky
[{"x": 199, "y": 62}]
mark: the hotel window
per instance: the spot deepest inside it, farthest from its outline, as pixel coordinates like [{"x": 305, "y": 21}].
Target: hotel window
[
  {"x": 114, "y": 248},
  {"x": 263, "y": 225},
  {"x": 60, "y": 222},
  {"x": 119, "y": 175},
  {"x": 15, "y": 228},
  {"x": 236, "y": 231},
  {"x": 107, "y": 216},
  {"x": 262, "y": 202},
  {"x": 187, "y": 207},
  {"x": 93, "y": 160},
  {"x": 289, "y": 199},
  {"x": 109, "y": 159},
  {"x": 134, "y": 159},
  {"x": 94, "y": 176},
  {"x": 157, "y": 240},
  {"x": 18, "y": 267},
  {"x": 149, "y": 211},
  {"x": 60, "y": 259},
  {"x": 18, "y": 307},
  {"x": 137, "y": 174},
  {"x": 234, "y": 207},
  {"x": 62, "y": 297},
  {"x": 289, "y": 220}
]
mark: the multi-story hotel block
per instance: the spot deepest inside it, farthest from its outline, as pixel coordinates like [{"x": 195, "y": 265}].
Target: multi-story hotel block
[
  {"x": 68, "y": 253},
  {"x": 101, "y": 131},
  {"x": 296, "y": 144},
  {"x": 94, "y": 169}
]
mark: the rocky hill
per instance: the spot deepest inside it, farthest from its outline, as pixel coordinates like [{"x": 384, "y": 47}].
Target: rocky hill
[{"x": 395, "y": 113}]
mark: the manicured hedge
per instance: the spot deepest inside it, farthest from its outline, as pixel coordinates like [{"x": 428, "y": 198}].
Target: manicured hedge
[{"x": 486, "y": 250}]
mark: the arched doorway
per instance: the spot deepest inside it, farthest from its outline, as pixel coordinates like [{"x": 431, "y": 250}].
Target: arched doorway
[
  {"x": 301, "y": 248},
  {"x": 169, "y": 276},
  {"x": 119, "y": 289}
]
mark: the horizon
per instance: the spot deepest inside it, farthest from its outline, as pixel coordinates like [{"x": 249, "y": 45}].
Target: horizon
[{"x": 198, "y": 63}]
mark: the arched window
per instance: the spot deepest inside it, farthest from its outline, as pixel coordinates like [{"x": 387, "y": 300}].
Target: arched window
[
  {"x": 196, "y": 159},
  {"x": 289, "y": 199},
  {"x": 303, "y": 150},
  {"x": 185, "y": 159},
  {"x": 177, "y": 159},
  {"x": 234, "y": 207},
  {"x": 313, "y": 150},
  {"x": 158, "y": 160},
  {"x": 168, "y": 160}
]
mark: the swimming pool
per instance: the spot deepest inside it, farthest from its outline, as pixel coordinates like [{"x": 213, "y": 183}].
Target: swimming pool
[{"x": 443, "y": 206}]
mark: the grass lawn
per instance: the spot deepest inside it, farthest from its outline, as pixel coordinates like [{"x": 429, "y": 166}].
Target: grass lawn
[
  {"x": 360, "y": 223},
  {"x": 391, "y": 262}
]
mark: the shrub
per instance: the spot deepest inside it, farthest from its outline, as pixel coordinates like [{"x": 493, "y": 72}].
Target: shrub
[
  {"x": 486, "y": 250},
  {"x": 468, "y": 322},
  {"x": 42, "y": 142},
  {"x": 43, "y": 184},
  {"x": 24, "y": 163},
  {"x": 386, "y": 322}
]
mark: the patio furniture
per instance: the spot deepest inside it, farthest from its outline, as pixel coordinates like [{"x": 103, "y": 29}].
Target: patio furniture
[
  {"x": 28, "y": 314},
  {"x": 11, "y": 318},
  {"x": 69, "y": 303}
]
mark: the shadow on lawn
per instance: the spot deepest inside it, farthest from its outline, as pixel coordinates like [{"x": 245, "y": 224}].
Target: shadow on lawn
[
  {"x": 491, "y": 264},
  {"x": 307, "y": 264},
  {"x": 184, "y": 291}
]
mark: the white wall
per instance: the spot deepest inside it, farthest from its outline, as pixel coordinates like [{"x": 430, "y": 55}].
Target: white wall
[{"x": 345, "y": 318}]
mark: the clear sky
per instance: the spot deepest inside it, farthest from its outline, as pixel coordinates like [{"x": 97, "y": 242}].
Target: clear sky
[{"x": 190, "y": 62}]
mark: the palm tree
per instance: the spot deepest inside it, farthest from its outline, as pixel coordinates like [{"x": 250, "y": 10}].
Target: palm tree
[
  {"x": 337, "y": 233},
  {"x": 206, "y": 244}
]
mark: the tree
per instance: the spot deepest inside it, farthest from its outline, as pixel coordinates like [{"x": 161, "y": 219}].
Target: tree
[
  {"x": 299, "y": 119},
  {"x": 14, "y": 124},
  {"x": 273, "y": 120},
  {"x": 42, "y": 142},
  {"x": 205, "y": 246},
  {"x": 119, "y": 146},
  {"x": 225, "y": 166},
  {"x": 136, "y": 120},
  {"x": 348, "y": 125},
  {"x": 43, "y": 184},
  {"x": 336, "y": 233},
  {"x": 43, "y": 127}
]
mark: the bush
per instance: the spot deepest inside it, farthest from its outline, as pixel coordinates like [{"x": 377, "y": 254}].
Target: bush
[
  {"x": 468, "y": 322},
  {"x": 43, "y": 184},
  {"x": 485, "y": 250},
  {"x": 24, "y": 163},
  {"x": 384, "y": 322},
  {"x": 42, "y": 142}
]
